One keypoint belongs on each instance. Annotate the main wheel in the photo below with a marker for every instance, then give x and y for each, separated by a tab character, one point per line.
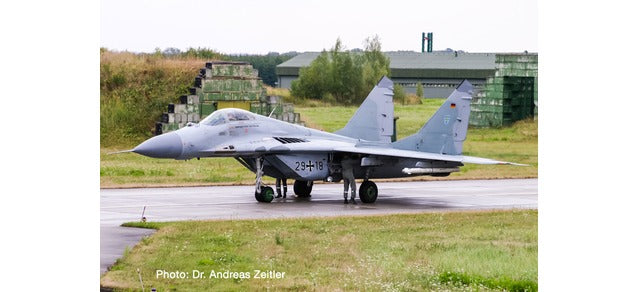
302	188
441	174
368	192
266	195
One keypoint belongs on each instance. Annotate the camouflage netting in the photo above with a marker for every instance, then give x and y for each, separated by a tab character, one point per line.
225	84
510	95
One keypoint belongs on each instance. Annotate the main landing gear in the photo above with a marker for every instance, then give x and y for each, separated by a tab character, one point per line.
263	194
368	192
303	188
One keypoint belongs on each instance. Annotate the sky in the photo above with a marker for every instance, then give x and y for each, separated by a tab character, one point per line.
259	27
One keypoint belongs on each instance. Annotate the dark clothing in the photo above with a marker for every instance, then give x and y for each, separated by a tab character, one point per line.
285	188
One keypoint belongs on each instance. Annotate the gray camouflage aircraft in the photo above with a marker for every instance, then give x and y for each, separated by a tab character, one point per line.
279	149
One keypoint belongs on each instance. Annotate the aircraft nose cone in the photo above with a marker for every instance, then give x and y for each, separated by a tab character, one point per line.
167	145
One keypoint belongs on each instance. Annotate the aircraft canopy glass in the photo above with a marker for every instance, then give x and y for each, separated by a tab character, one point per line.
227	115
237	115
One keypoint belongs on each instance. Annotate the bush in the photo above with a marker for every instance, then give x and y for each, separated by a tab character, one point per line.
399	93
419	90
411	99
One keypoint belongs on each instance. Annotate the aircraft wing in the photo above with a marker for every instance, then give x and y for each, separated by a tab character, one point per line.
302	145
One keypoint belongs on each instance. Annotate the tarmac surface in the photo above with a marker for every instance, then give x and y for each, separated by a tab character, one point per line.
238	202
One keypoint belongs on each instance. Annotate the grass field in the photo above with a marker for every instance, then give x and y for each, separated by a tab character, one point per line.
488	250
518	143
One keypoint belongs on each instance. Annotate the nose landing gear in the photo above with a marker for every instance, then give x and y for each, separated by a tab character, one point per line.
263	194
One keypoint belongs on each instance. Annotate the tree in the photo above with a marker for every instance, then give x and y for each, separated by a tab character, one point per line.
171	52
419	90
377	64
313	80
347	76
203	53
399	93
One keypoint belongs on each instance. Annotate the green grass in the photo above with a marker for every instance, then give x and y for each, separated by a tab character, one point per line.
330	119
518	143
495	250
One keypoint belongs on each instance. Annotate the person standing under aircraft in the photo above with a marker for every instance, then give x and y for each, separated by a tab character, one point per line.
347	171
285	188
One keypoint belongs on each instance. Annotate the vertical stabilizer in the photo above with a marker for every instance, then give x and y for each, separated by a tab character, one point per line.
446	130
374	119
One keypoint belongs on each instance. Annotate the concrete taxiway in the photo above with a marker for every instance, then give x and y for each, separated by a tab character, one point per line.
237	202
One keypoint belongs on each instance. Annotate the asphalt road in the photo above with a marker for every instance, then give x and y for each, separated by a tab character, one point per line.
237	202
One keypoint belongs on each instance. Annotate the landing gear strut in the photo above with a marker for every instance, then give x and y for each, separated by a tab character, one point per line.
303	188
263	193
368	192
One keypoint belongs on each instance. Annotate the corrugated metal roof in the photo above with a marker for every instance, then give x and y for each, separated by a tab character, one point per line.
442	60
301	60
416	60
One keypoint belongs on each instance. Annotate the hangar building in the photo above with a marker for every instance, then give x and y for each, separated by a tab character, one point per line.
507	83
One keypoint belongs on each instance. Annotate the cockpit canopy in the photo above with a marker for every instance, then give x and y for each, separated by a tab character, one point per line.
226	115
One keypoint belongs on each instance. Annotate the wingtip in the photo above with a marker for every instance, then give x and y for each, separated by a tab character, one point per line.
118	152
513	163
481	160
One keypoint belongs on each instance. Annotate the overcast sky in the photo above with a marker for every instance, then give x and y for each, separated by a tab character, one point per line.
247	26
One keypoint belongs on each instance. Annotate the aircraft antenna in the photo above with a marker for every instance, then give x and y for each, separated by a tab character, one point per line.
273	110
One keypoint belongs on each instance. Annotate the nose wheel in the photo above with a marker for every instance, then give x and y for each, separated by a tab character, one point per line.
265	195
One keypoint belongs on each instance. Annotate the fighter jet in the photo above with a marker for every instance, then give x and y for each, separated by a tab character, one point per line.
282	150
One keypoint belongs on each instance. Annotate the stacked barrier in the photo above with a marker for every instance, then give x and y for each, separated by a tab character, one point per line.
225	84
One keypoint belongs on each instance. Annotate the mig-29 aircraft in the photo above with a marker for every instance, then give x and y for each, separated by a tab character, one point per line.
279	149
